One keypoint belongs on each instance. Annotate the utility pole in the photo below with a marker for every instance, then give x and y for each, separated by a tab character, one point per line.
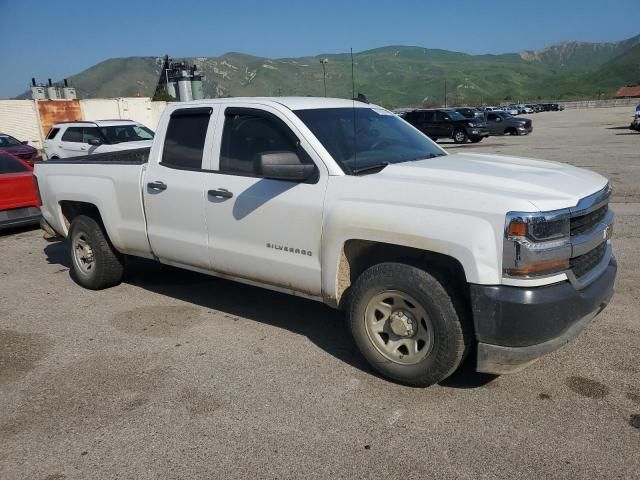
323	62
445	93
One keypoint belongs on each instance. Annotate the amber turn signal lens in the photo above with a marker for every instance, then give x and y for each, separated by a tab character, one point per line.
517	229
539	268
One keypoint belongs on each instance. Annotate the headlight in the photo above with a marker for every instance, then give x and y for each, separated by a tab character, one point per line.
536	243
470	124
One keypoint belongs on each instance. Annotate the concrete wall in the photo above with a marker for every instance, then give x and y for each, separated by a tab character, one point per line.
31	119
19	118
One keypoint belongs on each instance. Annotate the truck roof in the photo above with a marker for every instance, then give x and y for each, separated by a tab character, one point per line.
292	103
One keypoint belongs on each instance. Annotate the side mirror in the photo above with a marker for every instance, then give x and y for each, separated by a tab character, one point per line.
282	166
95	142
25	142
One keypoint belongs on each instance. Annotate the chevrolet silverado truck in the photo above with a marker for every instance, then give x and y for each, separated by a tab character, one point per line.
432	256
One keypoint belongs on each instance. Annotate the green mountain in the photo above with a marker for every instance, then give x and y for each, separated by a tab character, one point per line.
392	76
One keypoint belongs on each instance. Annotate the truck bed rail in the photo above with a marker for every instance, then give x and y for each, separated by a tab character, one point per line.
137	156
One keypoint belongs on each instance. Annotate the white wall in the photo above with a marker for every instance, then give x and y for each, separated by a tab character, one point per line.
99	109
19	118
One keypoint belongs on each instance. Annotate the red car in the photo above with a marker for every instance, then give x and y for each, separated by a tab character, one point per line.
15	147
19	198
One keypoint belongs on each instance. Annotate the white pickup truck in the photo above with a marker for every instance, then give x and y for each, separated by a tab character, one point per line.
432	255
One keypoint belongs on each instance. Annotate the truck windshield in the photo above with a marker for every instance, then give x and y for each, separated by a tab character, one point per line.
359	139
126	133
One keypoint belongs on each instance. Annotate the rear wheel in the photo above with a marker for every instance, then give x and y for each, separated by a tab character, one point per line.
95	263
460	136
406	324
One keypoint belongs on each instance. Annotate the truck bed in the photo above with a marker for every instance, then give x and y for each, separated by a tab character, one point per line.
110	181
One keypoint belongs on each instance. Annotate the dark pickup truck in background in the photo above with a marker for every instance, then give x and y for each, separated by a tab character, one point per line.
503	123
447	123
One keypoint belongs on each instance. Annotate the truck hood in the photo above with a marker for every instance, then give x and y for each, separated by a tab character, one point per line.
547	185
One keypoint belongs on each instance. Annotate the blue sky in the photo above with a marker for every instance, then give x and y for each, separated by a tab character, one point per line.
59	38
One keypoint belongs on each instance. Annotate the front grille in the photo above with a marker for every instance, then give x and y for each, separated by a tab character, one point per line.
585	223
585	263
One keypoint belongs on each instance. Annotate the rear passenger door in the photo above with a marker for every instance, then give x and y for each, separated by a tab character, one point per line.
72	143
262	229
174	188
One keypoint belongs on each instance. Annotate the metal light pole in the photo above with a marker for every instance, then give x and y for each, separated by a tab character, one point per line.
445	93
323	62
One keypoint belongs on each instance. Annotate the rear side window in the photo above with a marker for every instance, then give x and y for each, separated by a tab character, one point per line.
52	133
184	141
245	137
11	165
73	134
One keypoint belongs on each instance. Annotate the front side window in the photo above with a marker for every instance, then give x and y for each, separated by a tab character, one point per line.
246	136
492	117
90	133
362	138
73	134
184	141
9	164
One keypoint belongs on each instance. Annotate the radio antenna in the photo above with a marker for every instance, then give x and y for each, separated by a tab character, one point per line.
353	99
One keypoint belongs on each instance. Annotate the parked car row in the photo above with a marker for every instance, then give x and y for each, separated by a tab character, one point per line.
517	109
466	124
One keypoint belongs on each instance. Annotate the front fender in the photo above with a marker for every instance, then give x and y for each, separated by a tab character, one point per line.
470	239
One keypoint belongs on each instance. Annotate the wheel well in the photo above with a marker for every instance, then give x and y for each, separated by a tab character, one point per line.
359	255
71	209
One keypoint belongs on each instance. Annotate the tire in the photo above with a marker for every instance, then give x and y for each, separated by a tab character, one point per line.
384	294
511	131
95	263
460	136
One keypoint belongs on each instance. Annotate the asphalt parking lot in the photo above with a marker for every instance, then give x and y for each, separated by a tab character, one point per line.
178	375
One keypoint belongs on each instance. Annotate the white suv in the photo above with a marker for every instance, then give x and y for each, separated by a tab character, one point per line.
73	139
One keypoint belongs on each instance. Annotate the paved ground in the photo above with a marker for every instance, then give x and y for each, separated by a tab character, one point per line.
178	375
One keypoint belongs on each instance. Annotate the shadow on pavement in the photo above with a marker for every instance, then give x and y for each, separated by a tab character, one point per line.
17	230
323	326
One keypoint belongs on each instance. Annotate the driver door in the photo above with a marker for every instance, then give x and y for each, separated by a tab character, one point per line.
261	229
494	123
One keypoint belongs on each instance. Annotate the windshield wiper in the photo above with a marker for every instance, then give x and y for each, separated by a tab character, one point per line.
377	166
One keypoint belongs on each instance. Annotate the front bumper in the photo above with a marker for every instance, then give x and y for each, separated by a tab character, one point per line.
515	326
477	132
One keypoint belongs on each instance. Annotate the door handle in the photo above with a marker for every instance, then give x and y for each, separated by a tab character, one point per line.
220	193
159	186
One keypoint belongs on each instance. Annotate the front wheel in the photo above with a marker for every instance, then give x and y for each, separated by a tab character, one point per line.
407	325
460	136
511	131
95	263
